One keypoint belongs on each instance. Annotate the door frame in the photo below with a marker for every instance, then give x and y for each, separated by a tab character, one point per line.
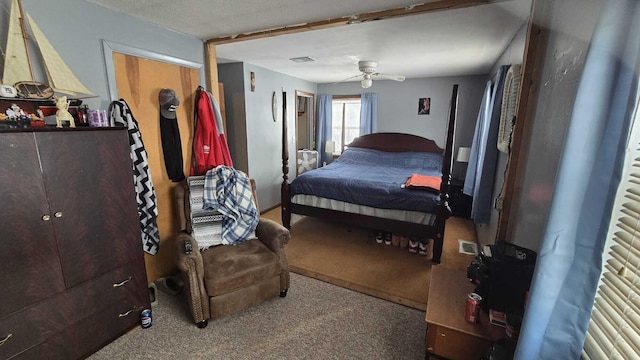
109	47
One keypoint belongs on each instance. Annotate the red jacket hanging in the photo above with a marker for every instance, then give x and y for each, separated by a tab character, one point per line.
208	149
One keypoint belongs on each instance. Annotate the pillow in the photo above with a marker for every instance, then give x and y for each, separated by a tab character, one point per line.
425	182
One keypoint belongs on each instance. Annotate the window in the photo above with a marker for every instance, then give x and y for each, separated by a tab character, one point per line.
345	122
614	329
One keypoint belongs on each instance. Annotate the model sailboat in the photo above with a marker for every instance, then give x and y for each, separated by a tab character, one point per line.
17	62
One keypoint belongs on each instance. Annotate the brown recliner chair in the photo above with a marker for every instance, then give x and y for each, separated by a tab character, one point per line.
224	279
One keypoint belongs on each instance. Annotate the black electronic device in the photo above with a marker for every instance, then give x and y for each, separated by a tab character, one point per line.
502	275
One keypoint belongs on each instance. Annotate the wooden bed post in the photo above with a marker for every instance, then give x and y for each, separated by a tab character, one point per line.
285	199
443	206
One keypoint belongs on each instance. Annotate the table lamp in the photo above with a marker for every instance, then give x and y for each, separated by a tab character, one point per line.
463	154
329	148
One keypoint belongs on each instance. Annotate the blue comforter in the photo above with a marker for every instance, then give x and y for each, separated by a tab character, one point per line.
373	178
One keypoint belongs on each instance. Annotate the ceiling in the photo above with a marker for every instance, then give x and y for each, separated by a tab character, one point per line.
464	41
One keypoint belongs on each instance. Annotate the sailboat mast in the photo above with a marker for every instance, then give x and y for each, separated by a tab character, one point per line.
23	28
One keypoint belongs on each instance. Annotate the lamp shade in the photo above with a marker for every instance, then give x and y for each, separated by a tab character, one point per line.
366	82
329	147
463	154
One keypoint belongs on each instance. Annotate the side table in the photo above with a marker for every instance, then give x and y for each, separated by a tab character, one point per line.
449	335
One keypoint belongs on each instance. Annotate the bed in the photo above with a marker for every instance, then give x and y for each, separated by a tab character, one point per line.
363	187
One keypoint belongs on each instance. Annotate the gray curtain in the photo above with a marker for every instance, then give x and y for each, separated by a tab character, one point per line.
570	257
368	113
323	132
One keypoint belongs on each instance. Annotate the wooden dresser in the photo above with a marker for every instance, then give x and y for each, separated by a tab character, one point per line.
71	263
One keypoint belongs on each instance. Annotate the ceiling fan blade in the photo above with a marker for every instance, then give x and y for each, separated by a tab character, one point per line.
378	76
347	79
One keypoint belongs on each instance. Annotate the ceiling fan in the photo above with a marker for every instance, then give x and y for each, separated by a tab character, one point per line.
368	70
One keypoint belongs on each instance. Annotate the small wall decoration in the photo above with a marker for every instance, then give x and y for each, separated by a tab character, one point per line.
274	106
253	81
424	106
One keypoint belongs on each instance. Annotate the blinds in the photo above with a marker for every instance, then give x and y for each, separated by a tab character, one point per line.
614	329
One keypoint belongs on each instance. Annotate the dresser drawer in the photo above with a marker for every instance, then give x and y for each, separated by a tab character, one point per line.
127	283
115	292
85	337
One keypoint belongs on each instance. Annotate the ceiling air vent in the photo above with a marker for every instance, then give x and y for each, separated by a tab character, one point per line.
302	59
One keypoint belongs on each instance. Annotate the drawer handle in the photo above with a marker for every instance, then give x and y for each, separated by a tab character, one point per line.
5	339
127	313
122	283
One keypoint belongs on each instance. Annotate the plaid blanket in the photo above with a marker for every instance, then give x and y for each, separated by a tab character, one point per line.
228	191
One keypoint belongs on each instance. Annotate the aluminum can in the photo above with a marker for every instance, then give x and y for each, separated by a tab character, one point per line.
472	310
145	318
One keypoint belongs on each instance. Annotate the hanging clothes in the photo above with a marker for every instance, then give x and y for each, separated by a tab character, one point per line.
170	135
510	96
209	150
120	115
220	127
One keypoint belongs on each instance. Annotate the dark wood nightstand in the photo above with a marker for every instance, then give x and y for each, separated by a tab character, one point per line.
459	203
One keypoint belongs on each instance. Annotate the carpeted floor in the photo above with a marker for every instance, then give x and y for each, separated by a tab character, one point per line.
315	321
350	258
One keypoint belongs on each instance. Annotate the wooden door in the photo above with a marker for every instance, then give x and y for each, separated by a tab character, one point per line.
29	266
139	82
88	178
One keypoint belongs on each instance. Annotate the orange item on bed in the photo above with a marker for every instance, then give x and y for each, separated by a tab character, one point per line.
423	181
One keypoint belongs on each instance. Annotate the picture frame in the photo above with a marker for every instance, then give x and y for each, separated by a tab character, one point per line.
424	106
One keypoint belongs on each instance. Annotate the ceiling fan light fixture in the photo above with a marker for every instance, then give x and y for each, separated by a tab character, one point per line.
366	82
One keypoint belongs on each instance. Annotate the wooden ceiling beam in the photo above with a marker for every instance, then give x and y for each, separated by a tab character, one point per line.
353	19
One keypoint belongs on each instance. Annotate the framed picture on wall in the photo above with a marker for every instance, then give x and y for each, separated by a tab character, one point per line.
424	106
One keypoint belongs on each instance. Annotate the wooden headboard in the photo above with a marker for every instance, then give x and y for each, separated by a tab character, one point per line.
396	142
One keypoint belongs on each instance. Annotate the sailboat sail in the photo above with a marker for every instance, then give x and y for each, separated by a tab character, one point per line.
60	76
16	65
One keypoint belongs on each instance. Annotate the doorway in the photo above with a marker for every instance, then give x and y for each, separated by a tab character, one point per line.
305	121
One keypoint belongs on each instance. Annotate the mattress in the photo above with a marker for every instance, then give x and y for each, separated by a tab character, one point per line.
401	215
374	179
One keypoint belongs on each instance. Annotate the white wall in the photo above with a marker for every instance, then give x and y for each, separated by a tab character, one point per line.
264	136
255	139
76	29
398	106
